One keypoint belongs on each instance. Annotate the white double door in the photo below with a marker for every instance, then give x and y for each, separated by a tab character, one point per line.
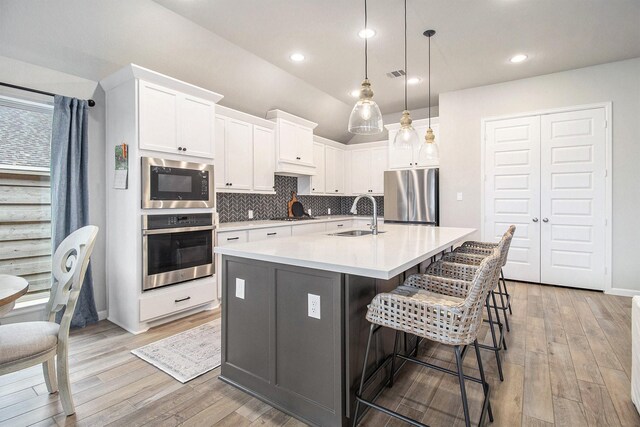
546	174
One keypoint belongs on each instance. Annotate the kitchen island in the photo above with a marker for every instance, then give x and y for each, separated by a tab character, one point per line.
293	313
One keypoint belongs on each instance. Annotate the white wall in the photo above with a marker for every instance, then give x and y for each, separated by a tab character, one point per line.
460	115
24	74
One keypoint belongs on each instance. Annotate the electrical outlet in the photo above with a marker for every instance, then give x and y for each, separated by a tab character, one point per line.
309	212
328	211
250	214
313	306
459	197
240	288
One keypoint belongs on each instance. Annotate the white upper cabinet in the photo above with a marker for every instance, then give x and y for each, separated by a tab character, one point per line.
238	153
401	158
367	170
334	170
175	122
196	127
245	160
318	180
294	143
264	164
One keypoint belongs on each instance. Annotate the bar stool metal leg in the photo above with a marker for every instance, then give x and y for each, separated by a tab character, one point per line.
362	378
506	291
463	391
502	340
485	384
393	357
496	347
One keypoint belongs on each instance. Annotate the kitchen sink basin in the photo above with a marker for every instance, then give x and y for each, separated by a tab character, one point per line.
354	233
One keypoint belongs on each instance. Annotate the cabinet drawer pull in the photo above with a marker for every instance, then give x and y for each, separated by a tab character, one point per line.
271	234
336	191
340	225
298	158
183	299
232	238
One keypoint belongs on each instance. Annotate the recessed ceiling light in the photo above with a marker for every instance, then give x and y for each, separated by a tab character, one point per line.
414	80
297	57
518	58
367	33
355	93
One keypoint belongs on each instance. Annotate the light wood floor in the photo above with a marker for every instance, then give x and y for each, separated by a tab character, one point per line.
568	363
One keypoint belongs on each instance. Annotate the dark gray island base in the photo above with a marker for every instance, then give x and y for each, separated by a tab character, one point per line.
307	367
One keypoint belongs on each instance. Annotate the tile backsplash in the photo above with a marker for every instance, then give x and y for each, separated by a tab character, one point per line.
235	206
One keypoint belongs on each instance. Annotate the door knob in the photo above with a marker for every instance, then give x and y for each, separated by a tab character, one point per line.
535	219
545	220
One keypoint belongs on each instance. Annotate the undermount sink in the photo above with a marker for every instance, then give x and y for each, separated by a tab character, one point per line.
354	233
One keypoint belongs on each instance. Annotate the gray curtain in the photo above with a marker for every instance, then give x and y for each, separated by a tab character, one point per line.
69	189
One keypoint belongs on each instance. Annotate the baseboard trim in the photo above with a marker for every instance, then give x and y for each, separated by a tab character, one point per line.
623	292
102	315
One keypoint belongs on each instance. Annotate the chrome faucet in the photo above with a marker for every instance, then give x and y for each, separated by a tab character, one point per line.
374	218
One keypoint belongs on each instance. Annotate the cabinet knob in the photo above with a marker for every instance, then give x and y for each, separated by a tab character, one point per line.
179	148
298	158
545	219
313	189
336	191
535	219
184	148
231	183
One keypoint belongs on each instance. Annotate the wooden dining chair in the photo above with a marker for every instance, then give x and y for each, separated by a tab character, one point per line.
26	344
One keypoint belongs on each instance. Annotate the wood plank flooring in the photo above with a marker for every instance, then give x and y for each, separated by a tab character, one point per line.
568	364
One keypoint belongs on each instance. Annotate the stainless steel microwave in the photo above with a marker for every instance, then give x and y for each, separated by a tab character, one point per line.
176	184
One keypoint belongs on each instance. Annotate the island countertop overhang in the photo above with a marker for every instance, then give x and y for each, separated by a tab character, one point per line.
398	248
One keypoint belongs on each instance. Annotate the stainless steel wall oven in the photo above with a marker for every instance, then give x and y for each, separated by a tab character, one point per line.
176	184
176	248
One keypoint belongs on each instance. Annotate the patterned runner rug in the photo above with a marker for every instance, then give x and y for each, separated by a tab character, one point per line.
186	355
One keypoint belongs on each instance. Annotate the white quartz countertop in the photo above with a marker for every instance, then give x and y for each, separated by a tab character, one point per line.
384	256
247	225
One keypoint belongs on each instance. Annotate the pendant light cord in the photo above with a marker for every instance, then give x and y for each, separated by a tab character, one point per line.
366	57
429	70
405	54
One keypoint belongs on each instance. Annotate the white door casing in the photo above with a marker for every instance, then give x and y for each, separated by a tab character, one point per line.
573	186
512	192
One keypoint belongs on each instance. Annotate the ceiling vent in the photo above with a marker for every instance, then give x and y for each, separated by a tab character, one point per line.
396	73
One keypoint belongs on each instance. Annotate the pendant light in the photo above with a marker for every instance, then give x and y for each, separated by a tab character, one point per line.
406	137
365	118
429	150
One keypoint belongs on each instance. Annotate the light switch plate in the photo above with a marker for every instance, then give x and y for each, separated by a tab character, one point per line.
250	214
240	288
459	196
313	306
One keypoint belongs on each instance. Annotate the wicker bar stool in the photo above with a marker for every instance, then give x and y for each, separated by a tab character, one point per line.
451	266
473	253
484	249
449	319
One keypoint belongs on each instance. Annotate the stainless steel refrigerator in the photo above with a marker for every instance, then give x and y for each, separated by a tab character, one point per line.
411	196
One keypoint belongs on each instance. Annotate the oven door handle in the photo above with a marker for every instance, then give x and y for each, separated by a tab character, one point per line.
177	230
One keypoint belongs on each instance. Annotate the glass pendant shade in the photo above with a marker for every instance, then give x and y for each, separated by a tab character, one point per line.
429	151
365	118
406	138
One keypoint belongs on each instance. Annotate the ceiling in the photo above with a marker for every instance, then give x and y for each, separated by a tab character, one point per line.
472	46
241	48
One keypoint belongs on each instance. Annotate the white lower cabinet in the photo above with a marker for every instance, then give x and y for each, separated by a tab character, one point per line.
163	302
230	237
269	233
299	230
339	225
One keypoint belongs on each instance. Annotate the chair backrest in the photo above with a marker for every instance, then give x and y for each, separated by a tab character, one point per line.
506	240
70	263
483	281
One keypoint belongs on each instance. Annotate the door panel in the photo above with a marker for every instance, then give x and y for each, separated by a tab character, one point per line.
512	191
219	170
318	180
197	127
264	165
239	154
158	118
573	157
378	166
399	158
360	171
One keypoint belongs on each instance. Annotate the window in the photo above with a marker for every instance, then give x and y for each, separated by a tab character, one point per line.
25	196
